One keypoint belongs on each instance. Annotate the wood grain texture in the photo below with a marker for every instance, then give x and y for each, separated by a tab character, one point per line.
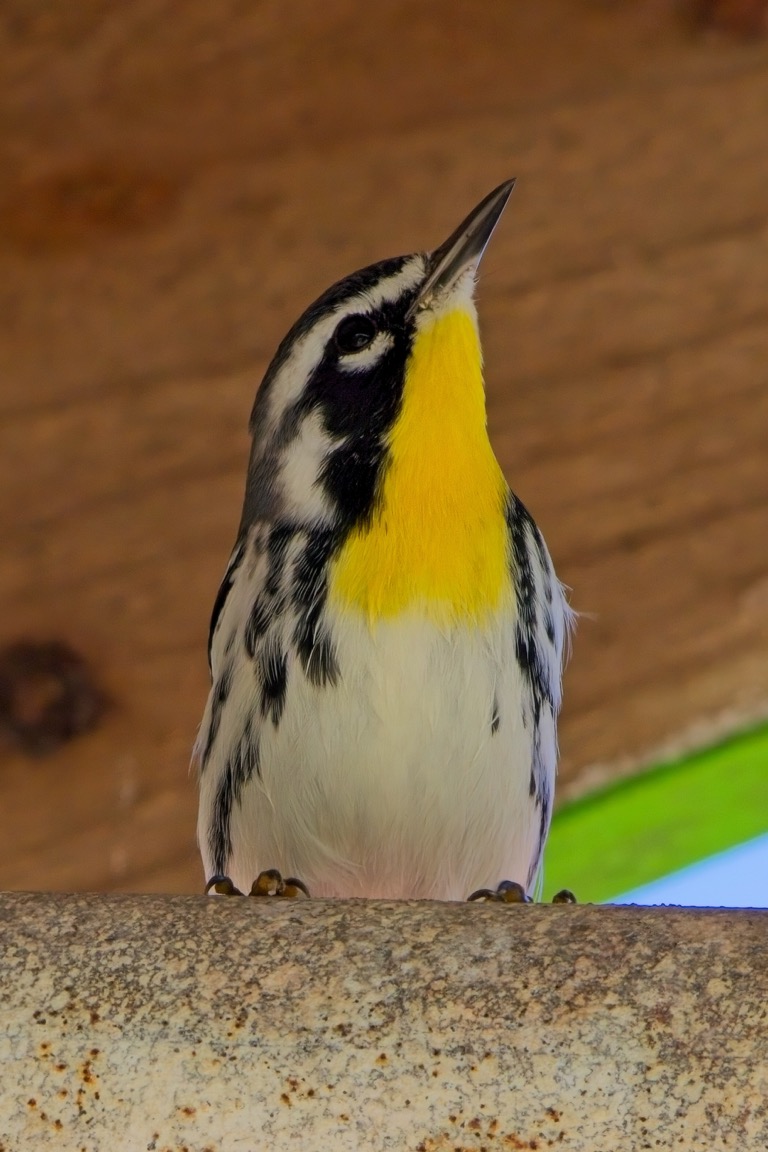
177	180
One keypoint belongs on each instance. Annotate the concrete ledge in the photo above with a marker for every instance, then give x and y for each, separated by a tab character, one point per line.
132	1023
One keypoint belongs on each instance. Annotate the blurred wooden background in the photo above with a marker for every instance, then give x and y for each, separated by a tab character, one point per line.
178	179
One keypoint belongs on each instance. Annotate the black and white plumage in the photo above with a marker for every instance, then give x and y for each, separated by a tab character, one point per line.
373	733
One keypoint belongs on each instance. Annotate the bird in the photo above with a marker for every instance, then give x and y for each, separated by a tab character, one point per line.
387	644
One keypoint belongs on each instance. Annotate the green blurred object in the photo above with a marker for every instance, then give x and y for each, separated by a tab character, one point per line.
641	829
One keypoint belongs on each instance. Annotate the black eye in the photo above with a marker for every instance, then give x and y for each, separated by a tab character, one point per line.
355	333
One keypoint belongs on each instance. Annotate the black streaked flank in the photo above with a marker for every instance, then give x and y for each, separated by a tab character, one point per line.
238	770
538	771
223	592
495	717
318	659
531	661
519	521
310	589
219	838
279	538
530	655
256	628
273	668
247	758
528	651
220	695
310	569
544	561
544	817
544	820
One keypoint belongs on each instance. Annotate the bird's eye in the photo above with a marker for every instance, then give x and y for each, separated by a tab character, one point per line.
355	333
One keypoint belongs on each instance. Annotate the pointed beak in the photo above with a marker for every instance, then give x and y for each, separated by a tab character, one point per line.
463	250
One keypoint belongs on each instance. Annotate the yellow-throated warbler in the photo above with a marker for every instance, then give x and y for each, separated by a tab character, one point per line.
386	646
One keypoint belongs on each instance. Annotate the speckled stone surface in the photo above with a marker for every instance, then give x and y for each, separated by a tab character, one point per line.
132	1023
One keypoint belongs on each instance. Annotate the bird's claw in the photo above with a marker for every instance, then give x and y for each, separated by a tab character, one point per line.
223	886
267	883
508	892
271	883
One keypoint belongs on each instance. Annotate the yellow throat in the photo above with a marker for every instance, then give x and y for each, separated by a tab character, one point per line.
437	542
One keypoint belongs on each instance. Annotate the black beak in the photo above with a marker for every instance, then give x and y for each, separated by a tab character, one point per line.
464	248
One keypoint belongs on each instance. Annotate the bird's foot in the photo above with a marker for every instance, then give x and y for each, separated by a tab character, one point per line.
510	892
267	883
222	886
271	883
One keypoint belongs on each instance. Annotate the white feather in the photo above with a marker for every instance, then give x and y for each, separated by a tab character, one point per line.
302	492
391	782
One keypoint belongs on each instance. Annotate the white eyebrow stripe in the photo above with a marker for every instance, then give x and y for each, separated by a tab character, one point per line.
357	361
411	274
308	350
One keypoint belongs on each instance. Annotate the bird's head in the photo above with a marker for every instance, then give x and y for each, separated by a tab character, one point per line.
333	399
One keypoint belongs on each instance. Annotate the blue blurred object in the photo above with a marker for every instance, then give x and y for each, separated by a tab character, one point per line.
737	878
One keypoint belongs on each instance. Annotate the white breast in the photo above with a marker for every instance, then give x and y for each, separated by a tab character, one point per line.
392	782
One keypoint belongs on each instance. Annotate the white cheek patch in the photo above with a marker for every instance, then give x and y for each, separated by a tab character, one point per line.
367	357
300	469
